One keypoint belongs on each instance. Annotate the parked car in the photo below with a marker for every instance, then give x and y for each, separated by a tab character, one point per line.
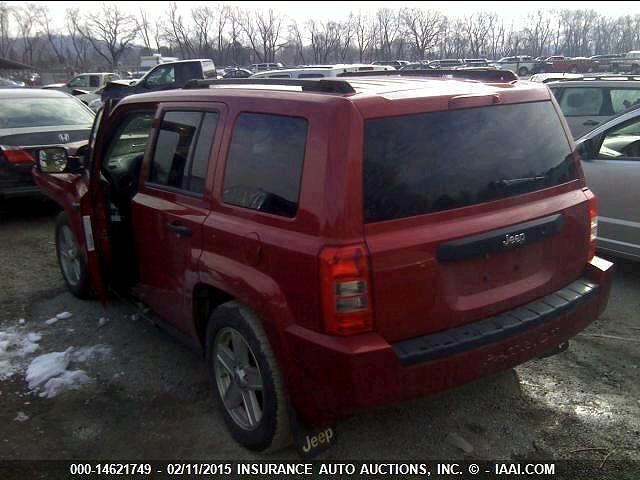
552	77
446	63
570	65
261	67
84	83
237	73
589	101
523	65
397	64
337	244
611	163
8	83
92	99
605	62
416	66
321	71
166	76
30	118
630	63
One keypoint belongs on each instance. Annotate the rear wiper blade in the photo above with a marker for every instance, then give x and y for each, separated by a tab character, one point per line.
508	182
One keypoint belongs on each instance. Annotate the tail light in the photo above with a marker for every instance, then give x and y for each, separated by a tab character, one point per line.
345	285
593	217
16	155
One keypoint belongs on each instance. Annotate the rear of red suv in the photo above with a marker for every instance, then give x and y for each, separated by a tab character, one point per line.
472	250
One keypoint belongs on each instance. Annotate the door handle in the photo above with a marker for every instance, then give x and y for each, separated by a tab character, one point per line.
590	123
179	229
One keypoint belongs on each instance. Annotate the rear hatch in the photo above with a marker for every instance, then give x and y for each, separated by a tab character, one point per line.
469	213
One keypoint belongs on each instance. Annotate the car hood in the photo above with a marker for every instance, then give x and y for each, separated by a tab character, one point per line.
55	85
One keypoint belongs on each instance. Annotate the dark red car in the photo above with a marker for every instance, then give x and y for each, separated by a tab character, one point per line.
333	245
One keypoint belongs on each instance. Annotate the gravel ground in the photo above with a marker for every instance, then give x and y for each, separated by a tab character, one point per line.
150	398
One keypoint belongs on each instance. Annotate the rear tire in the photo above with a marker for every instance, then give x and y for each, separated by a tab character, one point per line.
248	385
71	259
523	71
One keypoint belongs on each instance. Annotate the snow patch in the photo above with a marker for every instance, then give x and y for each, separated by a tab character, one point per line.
46	366
68	380
63	315
48	374
21	321
103	321
51	321
14	346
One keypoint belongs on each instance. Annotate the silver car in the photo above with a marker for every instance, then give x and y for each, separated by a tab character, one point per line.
611	163
589	101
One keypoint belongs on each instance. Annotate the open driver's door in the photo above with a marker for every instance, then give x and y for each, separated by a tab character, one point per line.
93	208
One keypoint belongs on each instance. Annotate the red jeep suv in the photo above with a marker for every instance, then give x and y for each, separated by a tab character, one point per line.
336	244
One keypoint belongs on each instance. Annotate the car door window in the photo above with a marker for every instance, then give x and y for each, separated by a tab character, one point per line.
621	99
161	76
127	147
94	81
181	156
579	102
80	81
622	142
264	164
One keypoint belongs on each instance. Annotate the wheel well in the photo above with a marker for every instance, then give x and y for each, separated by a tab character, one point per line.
205	300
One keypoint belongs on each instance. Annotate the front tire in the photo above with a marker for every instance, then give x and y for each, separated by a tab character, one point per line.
523	71
248	385
71	259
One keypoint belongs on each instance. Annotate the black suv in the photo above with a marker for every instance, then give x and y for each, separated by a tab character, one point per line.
166	76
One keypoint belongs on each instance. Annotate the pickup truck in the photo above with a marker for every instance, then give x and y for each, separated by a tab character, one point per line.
166	76
630	63
563	64
84	83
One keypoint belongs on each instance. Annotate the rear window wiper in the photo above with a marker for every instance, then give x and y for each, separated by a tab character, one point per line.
509	182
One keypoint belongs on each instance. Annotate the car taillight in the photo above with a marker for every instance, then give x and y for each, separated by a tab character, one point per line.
345	284
16	154
593	218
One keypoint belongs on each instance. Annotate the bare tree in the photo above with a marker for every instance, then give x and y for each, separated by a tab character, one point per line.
6	41
388	29
26	18
145	31
295	41
363	34
178	34
477	27
538	32
423	27
78	41
325	39
109	29
269	25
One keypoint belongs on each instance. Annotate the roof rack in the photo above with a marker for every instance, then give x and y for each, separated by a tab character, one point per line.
322	85
485	75
601	76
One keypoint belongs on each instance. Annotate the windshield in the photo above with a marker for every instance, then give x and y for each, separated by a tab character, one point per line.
43	112
416	164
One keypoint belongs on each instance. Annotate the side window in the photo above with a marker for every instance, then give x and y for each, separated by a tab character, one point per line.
579	102
622	141
79	81
164	75
264	165
127	147
181	154
624	98
94	81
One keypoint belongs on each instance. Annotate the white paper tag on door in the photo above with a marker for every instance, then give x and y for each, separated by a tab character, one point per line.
88	233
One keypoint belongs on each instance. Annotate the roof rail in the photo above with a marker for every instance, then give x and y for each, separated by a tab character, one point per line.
485	75
602	76
322	85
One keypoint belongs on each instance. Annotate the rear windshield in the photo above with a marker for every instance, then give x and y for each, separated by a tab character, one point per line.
43	112
417	164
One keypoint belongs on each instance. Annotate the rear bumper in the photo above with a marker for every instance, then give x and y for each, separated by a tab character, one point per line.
335	376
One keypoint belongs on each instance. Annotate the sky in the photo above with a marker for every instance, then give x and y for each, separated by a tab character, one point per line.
303	10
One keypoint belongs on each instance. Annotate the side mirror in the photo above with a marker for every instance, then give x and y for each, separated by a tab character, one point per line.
52	159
